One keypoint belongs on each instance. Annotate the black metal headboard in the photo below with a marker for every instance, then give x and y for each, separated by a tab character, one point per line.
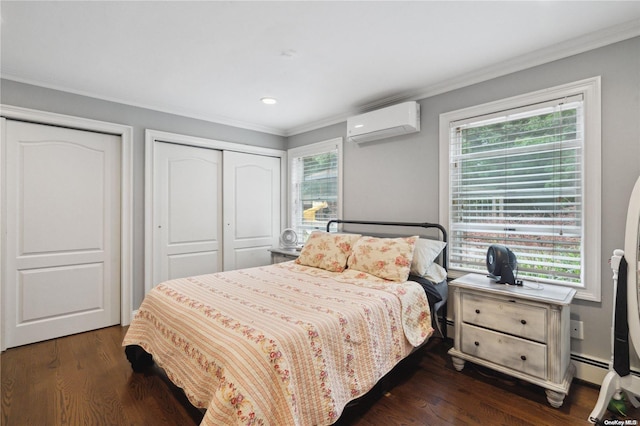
414	224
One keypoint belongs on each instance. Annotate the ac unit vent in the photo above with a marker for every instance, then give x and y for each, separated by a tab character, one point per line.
400	119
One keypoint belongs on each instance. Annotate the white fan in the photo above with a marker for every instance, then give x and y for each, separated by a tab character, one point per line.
288	238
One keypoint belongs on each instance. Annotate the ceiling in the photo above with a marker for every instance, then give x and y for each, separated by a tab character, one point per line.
322	61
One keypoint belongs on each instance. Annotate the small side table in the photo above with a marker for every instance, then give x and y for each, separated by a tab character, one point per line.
519	331
279	255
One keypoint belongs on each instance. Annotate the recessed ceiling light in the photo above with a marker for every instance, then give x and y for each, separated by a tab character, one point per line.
269	101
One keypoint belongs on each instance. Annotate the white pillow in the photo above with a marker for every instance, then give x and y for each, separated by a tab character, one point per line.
425	254
435	273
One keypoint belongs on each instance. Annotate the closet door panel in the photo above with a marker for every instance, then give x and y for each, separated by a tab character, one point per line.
186	265
63	191
187	219
251	209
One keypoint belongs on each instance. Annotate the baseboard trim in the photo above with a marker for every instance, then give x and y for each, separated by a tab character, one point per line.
589	369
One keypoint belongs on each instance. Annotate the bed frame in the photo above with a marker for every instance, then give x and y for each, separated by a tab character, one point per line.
425	225
141	360
441	307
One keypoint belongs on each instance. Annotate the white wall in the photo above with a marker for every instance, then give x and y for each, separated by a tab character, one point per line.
397	179
39	98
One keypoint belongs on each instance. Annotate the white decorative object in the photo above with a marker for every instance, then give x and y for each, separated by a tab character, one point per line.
613	383
288	238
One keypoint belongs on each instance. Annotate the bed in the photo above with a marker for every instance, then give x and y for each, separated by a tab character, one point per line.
293	343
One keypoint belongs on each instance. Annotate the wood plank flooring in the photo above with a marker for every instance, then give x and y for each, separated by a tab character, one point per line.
86	380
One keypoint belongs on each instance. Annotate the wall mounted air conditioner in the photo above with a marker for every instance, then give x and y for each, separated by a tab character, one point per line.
395	120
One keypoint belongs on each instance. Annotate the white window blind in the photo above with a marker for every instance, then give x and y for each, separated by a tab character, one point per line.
314	187
516	178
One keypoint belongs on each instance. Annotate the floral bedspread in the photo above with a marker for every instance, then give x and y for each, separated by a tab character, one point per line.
282	344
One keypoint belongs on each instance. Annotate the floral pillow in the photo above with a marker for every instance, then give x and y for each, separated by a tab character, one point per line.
388	258
327	251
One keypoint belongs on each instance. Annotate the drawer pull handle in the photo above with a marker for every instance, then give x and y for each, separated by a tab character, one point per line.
523	322
522	357
477	311
476	343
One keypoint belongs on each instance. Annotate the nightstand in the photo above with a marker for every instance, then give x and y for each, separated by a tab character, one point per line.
520	331
279	255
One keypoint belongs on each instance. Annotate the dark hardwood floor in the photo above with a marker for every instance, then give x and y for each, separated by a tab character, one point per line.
86	380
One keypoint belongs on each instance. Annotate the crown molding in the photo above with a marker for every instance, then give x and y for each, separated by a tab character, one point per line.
217	119
558	51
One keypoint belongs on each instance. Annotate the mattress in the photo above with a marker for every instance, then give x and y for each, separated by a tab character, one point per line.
279	344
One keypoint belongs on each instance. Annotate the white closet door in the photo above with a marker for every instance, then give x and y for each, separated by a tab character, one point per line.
63	232
187	217
251	209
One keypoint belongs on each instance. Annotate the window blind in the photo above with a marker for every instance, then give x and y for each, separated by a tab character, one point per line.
314	191
517	179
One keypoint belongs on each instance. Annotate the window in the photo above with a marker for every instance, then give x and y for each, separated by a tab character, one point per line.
315	189
525	172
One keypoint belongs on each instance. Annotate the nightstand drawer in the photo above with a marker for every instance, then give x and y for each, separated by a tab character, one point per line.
508	316
279	255
509	351
279	258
